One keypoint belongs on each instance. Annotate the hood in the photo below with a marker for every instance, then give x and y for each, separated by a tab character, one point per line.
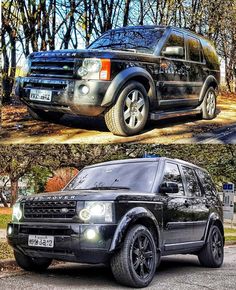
93	195
91	53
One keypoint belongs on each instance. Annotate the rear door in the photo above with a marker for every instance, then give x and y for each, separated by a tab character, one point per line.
196	66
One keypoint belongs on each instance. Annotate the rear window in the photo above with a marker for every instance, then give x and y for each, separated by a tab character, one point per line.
210	55
207	183
194	49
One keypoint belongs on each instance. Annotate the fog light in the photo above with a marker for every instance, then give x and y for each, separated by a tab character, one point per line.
9	230
90	234
84	90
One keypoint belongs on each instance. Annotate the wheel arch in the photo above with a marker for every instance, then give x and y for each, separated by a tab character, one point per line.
209	82
130	74
214	220
138	215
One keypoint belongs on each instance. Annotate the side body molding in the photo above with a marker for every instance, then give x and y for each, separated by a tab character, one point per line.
208	81
129	218
124	76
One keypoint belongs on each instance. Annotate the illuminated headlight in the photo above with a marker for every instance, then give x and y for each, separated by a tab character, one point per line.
17	212
24	71
97	212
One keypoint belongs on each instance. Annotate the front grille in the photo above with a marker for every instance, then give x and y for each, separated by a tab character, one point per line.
50	209
52	68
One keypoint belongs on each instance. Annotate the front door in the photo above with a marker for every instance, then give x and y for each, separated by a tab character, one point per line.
177	209
172	75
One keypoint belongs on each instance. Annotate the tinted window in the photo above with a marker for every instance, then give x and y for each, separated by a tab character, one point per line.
207	183
140	39
175	39
194	48
192	185
210	55
135	176
172	174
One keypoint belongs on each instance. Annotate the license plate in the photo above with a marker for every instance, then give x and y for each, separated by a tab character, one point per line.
40	95
41	241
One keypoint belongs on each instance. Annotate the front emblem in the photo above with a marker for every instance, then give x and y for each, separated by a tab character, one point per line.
64	210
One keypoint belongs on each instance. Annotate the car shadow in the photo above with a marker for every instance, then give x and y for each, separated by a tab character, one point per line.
100	276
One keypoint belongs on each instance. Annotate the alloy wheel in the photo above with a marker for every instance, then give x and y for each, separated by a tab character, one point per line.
217	245
211	103
134	109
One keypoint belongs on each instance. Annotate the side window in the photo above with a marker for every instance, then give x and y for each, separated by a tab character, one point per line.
175	39
194	49
210	55
172	174
207	183
191	182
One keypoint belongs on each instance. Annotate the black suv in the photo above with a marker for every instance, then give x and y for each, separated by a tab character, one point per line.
127	213
128	75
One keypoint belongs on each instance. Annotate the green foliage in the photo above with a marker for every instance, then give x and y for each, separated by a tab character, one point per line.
4	220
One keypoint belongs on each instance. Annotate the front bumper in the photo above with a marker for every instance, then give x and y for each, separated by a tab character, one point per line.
66	95
70	241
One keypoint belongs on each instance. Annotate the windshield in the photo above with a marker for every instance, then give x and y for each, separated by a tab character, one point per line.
139	39
138	176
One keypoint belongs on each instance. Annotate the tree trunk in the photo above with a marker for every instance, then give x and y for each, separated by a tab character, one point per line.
14	190
3	200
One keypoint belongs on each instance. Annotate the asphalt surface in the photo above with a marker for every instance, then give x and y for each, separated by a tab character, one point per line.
176	272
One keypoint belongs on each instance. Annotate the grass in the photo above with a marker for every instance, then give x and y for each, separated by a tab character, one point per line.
5	216
6	251
4	220
230	231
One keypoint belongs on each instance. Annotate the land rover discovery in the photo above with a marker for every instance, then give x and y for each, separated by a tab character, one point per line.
128	75
127	213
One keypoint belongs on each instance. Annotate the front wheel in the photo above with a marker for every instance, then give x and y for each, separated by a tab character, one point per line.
32	264
212	254
135	263
129	114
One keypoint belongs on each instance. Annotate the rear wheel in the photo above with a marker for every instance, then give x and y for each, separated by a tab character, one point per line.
209	104
212	254
32	264
42	115
129	114
135	263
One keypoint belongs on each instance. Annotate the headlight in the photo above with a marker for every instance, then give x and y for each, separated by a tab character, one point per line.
17	212
25	69
96	68
97	212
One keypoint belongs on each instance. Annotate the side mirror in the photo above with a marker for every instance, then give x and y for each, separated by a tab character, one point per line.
173	51
169	187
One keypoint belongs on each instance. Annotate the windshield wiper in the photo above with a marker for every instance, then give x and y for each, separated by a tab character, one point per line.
104	187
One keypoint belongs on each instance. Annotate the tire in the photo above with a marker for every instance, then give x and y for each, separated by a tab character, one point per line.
209	104
212	254
41	115
129	257
32	264
129	114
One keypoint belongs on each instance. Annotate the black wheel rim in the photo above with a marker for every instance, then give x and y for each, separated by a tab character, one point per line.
142	255
217	246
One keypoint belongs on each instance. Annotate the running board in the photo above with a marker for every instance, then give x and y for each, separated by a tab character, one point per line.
160	115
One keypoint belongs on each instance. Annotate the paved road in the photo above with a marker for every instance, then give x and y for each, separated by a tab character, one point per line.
176	273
